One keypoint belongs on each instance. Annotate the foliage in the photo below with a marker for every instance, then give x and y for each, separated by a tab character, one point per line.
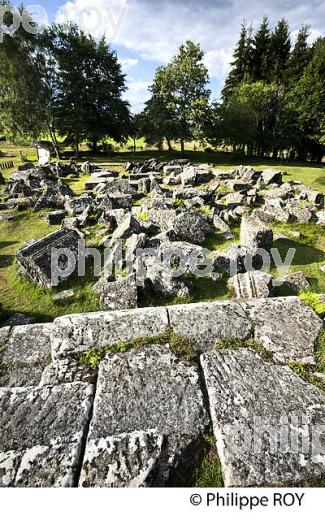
232	343
277	91
180	94
86	88
21	95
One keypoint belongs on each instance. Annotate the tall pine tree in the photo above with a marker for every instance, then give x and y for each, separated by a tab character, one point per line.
240	65
300	56
260	57
280	46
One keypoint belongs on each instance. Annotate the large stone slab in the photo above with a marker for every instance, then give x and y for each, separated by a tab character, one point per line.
41	434
79	332
269	423
148	409
285	326
36	258
208	323
26	350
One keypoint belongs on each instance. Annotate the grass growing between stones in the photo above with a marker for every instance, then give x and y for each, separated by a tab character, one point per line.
20	295
182	348
235	344
202	467
306	372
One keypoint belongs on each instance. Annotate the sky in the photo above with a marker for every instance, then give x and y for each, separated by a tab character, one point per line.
147	33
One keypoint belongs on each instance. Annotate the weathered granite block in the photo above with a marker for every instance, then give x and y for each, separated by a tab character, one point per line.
26	350
79	332
41	434
255	234
253	284
210	322
287	327
269	423
148	408
36	257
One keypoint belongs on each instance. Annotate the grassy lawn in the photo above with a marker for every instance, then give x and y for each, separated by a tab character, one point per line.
20	295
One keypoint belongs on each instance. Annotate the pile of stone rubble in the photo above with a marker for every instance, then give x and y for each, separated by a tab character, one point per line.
168	207
137	419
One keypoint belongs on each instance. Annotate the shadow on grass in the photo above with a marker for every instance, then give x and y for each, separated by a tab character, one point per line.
304	254
201	289
6	260
320	180
220	157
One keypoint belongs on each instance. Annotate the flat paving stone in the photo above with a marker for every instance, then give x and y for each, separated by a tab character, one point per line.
287	327
41	434
148	408
208	323
79	332
268	422
26	350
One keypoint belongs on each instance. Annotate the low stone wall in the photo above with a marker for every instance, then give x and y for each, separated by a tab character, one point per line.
131	422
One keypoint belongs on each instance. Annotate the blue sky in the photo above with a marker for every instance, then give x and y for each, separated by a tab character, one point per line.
147	33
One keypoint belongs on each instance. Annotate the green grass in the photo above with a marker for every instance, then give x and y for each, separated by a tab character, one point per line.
200	467
18	294
309	252
182	348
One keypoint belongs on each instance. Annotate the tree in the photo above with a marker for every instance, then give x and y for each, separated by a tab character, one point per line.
240	66
182	87
280	46
307	101
300	56
86	88
21	100
260	56
156	123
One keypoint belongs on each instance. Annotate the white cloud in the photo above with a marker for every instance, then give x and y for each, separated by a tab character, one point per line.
127	63
137	93
154	29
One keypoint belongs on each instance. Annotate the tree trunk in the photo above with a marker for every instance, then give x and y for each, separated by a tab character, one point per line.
94	144
51	131
134	145
275	153
170	148
77	147
182	145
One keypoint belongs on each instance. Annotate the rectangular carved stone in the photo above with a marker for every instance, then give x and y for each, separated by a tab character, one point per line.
79	332
207	323
41	434
26	350
148	409
36	257
287	327
269	423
